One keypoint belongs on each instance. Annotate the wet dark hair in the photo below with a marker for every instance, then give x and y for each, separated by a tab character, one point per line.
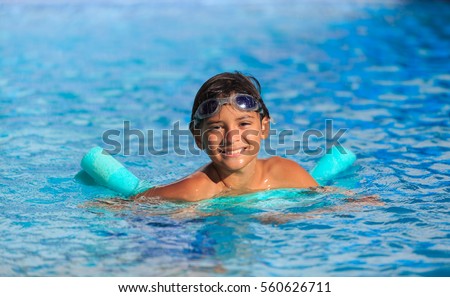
223	85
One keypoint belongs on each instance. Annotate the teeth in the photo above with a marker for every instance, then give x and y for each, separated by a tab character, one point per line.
238	151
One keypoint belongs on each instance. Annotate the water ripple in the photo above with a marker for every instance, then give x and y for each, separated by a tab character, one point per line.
69	73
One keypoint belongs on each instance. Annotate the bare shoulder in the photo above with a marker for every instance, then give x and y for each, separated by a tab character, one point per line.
195	187
282	167
287	173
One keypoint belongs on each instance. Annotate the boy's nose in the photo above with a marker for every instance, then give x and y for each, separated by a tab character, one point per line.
232	136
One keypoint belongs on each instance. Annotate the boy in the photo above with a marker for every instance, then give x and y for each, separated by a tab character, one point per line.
229	119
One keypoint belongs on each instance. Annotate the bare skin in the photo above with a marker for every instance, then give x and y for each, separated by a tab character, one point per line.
353	204
232	140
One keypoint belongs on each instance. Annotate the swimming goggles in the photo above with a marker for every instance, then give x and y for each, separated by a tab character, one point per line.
210	107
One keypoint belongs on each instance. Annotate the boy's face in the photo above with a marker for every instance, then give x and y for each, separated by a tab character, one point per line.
232	137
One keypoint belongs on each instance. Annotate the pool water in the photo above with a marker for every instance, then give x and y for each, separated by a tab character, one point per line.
380	69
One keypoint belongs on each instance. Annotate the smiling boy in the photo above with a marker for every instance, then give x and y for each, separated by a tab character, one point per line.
229	120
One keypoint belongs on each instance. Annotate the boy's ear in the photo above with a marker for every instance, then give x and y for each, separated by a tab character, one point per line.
197	134
265	127
198	141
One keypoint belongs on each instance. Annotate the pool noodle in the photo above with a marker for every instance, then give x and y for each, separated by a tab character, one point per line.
110	173
335	161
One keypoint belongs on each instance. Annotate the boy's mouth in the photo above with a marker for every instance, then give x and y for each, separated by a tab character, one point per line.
232	153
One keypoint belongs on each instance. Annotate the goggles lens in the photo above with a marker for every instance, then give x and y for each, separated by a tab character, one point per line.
246	102
211	106
207	107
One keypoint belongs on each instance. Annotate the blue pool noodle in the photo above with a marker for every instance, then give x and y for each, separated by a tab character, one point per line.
109	172
335	161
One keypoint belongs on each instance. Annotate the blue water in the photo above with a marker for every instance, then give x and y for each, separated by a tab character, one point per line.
70	72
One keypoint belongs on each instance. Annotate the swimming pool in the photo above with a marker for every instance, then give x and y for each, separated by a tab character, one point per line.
70	72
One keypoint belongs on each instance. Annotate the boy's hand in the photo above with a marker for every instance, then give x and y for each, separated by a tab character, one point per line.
278	218
352	203
329	189
115	203
366	200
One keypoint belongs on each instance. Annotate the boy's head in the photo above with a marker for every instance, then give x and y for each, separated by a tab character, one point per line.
229	120
224	85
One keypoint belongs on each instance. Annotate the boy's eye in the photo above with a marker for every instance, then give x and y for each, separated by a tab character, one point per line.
245	124
215	127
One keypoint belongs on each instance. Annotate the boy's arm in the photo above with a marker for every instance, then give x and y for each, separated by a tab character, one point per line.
352	204
190	189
